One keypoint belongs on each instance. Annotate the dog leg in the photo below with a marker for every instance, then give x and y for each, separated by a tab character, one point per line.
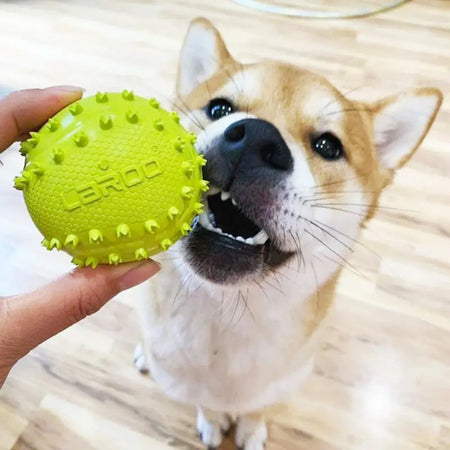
139	359
212	427
251	432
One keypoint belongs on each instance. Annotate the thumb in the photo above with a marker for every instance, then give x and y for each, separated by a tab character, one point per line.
27	320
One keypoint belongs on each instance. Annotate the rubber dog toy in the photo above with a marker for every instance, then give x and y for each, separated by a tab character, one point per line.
112	178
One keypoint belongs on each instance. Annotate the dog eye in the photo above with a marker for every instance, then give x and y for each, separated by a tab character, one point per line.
218	108
328	146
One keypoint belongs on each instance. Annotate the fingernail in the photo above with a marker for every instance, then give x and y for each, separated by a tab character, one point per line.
138	273
68	89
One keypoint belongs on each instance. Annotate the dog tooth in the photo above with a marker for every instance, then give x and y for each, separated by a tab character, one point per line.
260	238
234	202
213	190
250	241
224	196
204	220
240	238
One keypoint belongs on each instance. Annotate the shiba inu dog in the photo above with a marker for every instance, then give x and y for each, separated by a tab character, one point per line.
232	323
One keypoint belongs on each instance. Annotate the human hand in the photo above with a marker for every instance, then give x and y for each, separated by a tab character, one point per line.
29	319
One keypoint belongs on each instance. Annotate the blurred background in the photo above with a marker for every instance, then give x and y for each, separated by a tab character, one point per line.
382	379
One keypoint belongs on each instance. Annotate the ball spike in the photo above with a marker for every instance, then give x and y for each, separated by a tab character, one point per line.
36	168
101	97
175	116
198	208
185	229
192	138
95	236
154	103
141	254
166	244
173	213
188	168
201	161
91	261
77	261
158	125
106	121
71	240
58	155
81	139
75	109
55	243
34	139
132	116
21	183
25	148
127	95
204	185
187	192
114	259
151	226
45	243
123	230
178	144
52	124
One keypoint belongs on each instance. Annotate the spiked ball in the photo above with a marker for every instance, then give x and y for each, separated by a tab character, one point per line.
112	178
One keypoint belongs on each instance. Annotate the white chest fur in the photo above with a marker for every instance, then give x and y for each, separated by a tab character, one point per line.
231	349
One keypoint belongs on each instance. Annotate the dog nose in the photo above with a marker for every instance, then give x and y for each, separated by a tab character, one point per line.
260	140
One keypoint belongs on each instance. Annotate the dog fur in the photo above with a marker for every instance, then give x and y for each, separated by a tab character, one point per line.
236	344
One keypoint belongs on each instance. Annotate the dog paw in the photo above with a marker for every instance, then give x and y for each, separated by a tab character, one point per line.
251	434
212	430
139	359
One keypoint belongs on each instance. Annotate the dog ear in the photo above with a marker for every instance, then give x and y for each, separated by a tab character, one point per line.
203	54
401	122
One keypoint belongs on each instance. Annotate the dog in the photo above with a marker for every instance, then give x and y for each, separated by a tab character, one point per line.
233	322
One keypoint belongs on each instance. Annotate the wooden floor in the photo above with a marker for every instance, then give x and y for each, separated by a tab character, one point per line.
383	376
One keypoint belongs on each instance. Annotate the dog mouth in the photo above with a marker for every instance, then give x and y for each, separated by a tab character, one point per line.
222	215
226	246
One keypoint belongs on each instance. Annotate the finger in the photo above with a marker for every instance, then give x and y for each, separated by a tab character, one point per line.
24	111
28	320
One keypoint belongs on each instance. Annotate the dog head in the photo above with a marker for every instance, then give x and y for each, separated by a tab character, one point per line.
295	167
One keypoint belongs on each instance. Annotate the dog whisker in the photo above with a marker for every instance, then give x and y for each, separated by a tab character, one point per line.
181	286
339	181
343	260
186	110
354	110
273	286
355	241
257	283
318	196
299	251
365	204
238	301
190	113
317	287
339	209
331	235
341	96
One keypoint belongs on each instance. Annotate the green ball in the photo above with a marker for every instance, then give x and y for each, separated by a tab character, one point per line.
112	178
